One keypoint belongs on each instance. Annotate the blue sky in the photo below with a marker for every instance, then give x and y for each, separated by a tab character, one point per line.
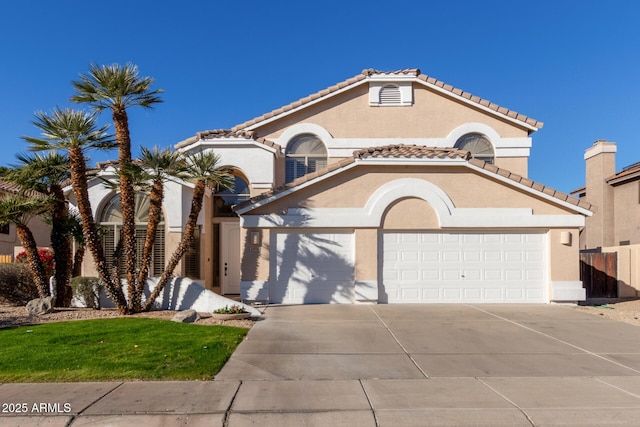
575	65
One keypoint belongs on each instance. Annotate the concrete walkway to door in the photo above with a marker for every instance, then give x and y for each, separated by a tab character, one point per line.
416	365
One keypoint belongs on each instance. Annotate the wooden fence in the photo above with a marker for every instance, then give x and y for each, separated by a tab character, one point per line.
598	272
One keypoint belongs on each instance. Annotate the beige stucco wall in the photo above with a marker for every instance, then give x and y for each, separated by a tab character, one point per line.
423	216
366	249
432	115
466	188
599	167
627	212
519	165
255	259
628	269
10	244
564	262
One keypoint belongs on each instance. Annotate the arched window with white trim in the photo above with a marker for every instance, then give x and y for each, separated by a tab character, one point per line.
224	200
111	231
305	154
478	145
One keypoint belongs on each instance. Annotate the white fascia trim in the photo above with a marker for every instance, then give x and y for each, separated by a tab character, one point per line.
308	104
477	105
227	143
294	189
494	218
530	190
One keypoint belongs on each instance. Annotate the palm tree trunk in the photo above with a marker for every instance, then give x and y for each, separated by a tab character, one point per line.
37	269
79	185
60	244
77	262
127	199
155	214
183	247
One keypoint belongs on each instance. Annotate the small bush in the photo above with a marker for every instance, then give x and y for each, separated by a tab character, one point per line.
46	257
88	290
234	309
16	284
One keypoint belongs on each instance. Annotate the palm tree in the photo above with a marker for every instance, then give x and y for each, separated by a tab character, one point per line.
117	88
159	166
203	169
19	210
77	132
46	174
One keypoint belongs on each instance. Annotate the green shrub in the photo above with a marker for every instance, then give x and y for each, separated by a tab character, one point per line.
88	290
16	284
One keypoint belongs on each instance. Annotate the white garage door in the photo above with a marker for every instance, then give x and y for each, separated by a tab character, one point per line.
313	268
464	267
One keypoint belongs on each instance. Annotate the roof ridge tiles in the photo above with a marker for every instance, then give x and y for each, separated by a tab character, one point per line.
370	72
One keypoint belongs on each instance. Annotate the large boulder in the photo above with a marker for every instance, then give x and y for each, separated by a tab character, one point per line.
186	316
39	306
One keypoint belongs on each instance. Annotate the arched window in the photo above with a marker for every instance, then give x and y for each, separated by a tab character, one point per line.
478	145
223	200
305	154
111	230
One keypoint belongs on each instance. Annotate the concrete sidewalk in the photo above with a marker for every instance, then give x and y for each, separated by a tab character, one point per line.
382	365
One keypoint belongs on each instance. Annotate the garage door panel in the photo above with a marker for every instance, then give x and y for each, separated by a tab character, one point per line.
465	267
314	268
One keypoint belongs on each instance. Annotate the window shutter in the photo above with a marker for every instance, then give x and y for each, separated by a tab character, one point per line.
390	95
192	258
157	266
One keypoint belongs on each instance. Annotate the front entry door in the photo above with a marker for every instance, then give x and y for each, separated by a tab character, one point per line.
230	257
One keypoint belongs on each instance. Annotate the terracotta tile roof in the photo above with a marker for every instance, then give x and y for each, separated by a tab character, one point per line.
411	151
225	133
415	151
409	71
529	183
9	187
628	173
13	188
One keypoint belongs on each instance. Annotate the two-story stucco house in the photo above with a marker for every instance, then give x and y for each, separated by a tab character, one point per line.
388	187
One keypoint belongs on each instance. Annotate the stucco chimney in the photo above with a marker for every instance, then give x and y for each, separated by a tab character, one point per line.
600	162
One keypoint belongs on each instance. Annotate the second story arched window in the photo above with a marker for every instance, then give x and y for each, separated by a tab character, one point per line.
306	153
478	145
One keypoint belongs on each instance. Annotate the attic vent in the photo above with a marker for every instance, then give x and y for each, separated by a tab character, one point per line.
390	95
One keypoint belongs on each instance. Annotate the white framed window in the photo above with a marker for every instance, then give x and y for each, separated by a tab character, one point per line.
306	153
224	200
478	145
111	231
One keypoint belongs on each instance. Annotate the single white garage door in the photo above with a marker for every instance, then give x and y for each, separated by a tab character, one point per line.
313	268
464	267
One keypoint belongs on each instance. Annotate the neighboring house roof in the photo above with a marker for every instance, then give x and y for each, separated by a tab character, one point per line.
9	187
630	173
367	73
226	133
13	188
415	152
579	192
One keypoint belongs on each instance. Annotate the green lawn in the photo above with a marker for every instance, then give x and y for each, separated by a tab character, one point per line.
115	349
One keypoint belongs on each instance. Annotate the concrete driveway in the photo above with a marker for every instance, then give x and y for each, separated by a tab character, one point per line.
418	365
380	365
